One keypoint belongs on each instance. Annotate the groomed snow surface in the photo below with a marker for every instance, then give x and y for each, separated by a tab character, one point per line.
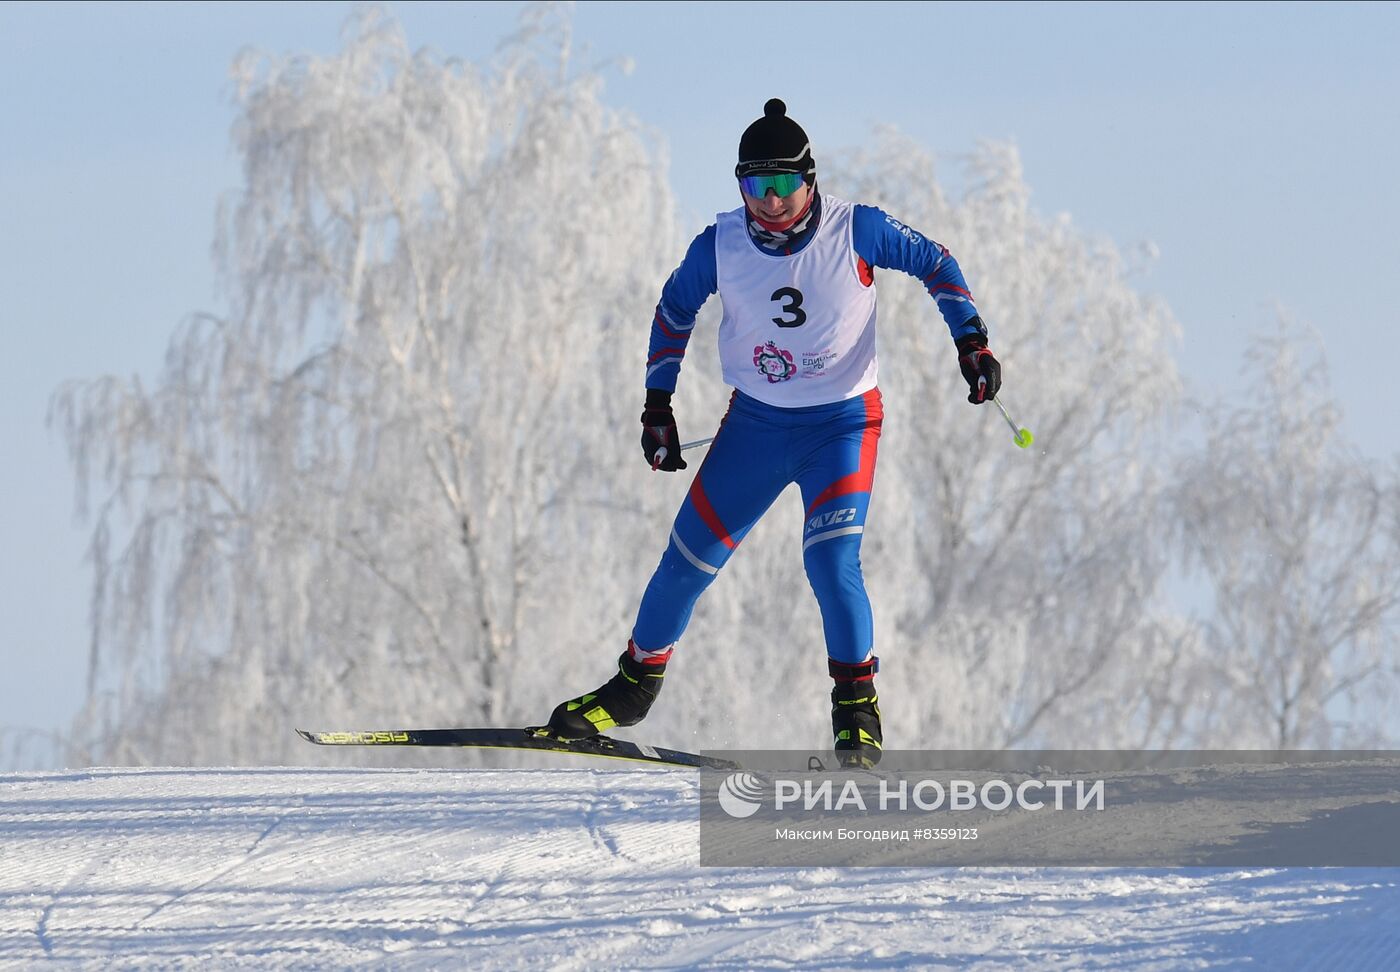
585	868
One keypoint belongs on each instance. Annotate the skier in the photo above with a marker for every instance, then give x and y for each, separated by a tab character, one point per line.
795	271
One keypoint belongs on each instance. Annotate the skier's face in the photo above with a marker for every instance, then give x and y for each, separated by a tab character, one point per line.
776	209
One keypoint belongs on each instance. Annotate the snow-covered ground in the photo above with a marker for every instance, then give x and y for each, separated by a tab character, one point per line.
585	869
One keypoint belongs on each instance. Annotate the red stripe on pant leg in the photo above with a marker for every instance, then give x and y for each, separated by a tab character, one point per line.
708	514
863	478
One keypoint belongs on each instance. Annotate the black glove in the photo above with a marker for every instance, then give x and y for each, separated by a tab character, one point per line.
980	368
660	441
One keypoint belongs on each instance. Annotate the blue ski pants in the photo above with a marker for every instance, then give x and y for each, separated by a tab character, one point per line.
829	451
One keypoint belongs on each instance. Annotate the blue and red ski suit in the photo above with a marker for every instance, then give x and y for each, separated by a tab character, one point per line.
828	449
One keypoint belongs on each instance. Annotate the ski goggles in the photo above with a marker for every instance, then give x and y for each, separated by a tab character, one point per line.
783	183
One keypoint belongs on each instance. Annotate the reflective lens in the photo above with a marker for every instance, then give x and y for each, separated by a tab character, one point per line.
783	183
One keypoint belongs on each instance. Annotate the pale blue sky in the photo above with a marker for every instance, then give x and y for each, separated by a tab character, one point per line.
1258	145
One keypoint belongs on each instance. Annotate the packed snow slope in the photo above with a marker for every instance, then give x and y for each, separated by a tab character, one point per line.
584	868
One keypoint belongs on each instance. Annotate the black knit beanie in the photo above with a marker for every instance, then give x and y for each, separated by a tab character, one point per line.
775	143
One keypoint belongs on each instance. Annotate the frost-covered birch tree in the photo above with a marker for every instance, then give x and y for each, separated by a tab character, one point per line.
1296	539
379	488
396	481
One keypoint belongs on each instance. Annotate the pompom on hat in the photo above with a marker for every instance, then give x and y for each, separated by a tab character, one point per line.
775	143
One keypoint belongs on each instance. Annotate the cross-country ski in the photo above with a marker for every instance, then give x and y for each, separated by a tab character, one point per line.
536	738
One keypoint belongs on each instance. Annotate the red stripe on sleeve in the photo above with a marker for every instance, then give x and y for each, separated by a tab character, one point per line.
661	323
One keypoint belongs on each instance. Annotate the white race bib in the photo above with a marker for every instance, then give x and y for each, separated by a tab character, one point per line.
797	330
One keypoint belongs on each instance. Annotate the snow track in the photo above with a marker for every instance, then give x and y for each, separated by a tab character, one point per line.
584	869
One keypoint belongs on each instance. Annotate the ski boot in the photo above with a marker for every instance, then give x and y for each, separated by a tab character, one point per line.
622	701
855	713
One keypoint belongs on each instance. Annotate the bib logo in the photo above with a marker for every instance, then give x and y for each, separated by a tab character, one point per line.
774	363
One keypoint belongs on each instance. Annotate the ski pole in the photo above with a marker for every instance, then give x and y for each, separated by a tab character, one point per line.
1023	436
661	453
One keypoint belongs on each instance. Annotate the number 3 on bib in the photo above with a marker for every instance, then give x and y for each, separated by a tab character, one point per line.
792	298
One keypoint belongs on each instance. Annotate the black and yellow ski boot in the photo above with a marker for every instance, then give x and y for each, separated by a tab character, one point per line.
622	701
855	713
